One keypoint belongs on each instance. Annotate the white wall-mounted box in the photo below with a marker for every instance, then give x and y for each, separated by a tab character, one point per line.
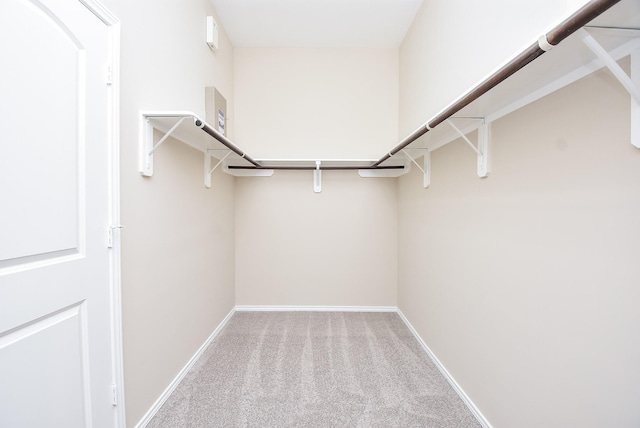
212	33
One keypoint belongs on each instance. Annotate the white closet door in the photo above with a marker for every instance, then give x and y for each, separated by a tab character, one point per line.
55	325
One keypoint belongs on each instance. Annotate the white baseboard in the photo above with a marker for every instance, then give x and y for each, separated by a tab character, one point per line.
292	308
173	385
472	407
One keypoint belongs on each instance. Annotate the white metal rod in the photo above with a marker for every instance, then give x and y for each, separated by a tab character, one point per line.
219	162
464	137
611	64
167	135
414	161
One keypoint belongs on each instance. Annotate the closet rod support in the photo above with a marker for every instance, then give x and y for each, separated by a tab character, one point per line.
611	64
426	168
147	146
165	136
208	170
464	137
219	162
413	160
317	178
483	146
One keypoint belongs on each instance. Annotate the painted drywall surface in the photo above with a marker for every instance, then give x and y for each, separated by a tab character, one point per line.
316	103
177	247
525	284
453	45
334	248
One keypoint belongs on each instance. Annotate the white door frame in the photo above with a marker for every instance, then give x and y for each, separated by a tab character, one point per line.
113	140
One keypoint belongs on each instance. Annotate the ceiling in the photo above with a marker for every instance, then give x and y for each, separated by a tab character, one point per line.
316	23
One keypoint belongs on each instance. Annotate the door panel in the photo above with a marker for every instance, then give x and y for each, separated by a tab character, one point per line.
50	375
55	315
40	217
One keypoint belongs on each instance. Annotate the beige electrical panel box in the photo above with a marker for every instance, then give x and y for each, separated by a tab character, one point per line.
215	107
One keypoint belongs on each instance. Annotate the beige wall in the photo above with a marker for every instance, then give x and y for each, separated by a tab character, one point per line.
452	45
316	103
297	247
177	247
529	270
525	284
293	246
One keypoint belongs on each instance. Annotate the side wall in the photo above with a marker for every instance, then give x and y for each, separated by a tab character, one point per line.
525	284
452	45
297	247
178	244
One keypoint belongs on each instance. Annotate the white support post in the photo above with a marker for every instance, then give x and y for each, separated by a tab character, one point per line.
426	181
207	166
635	105
146	144
483	146
317	178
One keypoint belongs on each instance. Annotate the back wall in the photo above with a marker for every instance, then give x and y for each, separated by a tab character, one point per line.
316	103
297	247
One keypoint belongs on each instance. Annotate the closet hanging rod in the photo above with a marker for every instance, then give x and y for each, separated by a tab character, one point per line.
224	141
313	168
547	41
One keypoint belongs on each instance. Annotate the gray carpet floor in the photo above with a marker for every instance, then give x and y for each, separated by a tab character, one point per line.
314	369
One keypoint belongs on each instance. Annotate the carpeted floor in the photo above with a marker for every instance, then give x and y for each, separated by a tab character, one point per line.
314	369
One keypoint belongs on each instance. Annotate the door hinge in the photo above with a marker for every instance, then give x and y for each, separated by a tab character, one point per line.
110	234
109	75
114	394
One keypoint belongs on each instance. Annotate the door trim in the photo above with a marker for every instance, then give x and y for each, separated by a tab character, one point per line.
113	141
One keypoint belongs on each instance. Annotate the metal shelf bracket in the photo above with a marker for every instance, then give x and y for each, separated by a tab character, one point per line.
631	84
148	147
482	150
425	168
208	170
